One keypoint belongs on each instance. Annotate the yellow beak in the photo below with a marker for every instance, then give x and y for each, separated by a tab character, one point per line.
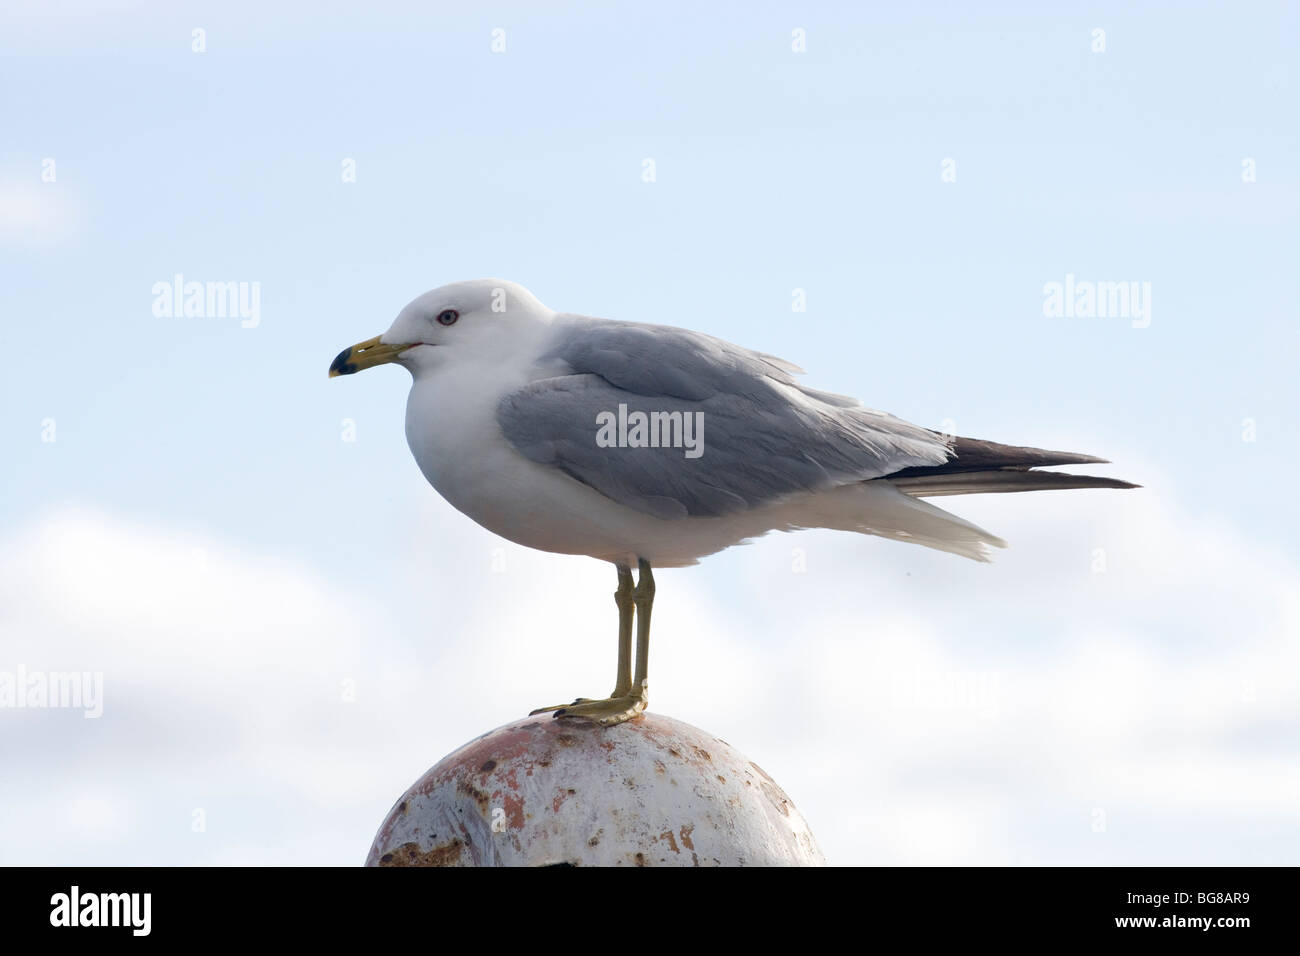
364	355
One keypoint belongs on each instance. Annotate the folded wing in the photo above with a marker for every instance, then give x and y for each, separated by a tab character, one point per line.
764	436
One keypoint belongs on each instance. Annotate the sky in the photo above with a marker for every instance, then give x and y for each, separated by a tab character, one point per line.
292	626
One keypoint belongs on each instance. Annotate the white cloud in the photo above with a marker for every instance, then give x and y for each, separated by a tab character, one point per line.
1035	687
36	213
917	708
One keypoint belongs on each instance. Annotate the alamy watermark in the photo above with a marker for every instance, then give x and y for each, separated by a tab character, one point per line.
1085	299
74	690
626	429
208	300
76	908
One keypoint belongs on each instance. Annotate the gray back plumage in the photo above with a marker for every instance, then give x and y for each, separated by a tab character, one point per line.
765	437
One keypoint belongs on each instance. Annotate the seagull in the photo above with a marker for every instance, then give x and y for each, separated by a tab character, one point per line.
654	446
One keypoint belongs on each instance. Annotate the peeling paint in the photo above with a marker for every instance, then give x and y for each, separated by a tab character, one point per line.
410	854
540	792
686	836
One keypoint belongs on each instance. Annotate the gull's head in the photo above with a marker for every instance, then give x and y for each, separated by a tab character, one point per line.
483	316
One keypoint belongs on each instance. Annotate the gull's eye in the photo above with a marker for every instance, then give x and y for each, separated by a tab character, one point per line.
448	317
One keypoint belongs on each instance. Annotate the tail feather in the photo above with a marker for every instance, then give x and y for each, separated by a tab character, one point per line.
878	508
891	506
913	521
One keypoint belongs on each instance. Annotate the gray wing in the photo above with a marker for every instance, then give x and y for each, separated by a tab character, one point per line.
764	436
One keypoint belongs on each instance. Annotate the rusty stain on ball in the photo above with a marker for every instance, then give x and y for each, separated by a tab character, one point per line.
542	792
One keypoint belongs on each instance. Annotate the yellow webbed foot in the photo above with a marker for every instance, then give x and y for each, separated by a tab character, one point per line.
543	710
606	712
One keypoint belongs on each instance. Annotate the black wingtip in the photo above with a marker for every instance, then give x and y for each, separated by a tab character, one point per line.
975	454
1001	480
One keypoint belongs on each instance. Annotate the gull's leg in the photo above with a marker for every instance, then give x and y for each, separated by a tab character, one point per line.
644	598
625	601
630	697
623	677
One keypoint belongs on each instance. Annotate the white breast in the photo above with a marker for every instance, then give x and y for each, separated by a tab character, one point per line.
452	430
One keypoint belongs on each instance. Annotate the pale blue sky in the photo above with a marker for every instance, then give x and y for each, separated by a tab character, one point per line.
775	171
